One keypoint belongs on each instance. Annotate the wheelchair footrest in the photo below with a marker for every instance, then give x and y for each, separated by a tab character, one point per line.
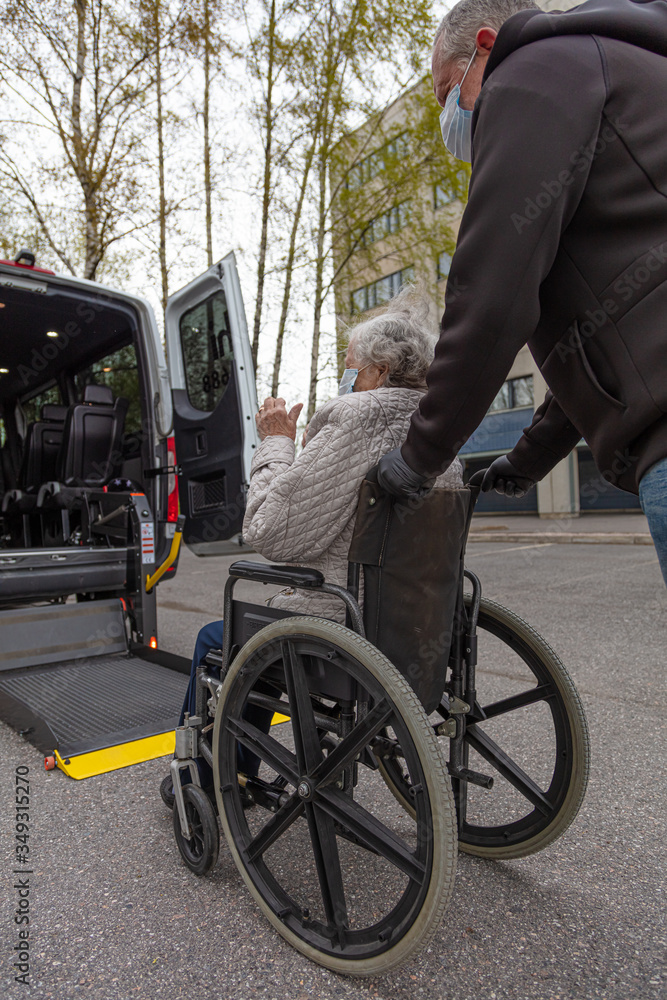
474	777
264	794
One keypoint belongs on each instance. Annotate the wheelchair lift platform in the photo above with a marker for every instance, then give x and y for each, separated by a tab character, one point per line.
79	692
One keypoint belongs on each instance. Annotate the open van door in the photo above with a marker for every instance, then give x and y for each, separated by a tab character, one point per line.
214	405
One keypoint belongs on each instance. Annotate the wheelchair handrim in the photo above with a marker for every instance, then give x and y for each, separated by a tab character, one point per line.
376	947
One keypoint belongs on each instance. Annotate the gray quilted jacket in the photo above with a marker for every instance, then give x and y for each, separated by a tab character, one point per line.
302	509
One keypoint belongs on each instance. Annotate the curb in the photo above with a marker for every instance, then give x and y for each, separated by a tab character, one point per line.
563	537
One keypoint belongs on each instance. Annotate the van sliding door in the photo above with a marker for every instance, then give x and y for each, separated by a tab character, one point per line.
214	401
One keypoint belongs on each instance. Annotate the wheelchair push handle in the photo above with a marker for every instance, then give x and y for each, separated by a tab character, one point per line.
475	481
477	478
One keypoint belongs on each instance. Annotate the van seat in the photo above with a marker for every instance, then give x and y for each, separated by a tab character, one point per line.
40	458
91	454
42	447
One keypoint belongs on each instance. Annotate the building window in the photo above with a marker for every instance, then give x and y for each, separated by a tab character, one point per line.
444	264
383	225
380	291
447	191
514	393
376	162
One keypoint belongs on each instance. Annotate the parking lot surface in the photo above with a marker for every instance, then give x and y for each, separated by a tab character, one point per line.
115	914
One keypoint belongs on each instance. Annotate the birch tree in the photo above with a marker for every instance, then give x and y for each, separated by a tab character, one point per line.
288	269
270	55
76	78
352	51
162	28
205	40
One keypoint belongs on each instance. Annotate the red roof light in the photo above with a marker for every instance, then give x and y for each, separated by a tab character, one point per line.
26	260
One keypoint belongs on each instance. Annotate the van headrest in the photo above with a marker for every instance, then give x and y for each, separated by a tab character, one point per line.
98	394
54	414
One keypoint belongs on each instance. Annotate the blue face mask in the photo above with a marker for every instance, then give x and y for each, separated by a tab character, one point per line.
456	122
347	381
349	377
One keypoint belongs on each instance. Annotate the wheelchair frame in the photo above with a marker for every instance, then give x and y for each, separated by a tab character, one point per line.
460	714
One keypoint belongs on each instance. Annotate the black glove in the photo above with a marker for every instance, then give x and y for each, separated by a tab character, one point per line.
502	477
397	478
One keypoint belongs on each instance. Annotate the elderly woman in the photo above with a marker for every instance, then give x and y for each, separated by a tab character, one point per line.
301	508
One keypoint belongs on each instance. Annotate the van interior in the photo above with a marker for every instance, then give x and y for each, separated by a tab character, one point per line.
93	505
74	425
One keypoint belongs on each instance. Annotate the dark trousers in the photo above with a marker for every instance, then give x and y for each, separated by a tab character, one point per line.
210	637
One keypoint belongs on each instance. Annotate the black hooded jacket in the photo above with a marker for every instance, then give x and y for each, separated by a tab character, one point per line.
563	245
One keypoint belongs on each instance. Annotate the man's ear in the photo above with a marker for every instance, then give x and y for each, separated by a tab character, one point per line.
485	40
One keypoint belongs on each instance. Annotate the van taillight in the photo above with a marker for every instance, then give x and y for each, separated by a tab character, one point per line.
172	482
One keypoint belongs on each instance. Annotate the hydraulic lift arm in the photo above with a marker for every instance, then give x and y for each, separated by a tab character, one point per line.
171	558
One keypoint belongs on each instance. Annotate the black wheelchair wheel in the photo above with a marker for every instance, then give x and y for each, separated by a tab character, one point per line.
167	791
533	742
200	850
334	863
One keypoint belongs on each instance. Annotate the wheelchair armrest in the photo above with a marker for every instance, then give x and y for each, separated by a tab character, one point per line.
294	576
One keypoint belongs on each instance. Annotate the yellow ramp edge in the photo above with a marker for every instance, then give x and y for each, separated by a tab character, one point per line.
87	765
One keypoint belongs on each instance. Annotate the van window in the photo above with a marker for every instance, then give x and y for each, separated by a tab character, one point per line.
120	373
207	351
32	408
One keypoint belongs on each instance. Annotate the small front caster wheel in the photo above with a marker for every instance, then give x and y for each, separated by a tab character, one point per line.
200	850
167	791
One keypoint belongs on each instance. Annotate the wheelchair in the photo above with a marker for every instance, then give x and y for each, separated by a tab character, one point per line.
434	721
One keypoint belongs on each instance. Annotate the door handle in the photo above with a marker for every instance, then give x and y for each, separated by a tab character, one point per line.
57	558
201	446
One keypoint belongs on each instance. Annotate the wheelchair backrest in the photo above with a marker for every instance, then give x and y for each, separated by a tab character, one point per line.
412	559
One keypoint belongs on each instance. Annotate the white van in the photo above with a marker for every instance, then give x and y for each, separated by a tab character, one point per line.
103	446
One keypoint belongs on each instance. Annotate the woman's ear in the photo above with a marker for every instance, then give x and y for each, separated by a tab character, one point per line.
383	372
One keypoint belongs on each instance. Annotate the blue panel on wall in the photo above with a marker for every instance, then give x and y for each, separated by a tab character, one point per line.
498	431
595	493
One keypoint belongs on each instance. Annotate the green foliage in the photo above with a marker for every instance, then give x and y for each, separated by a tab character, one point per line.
396	158
32	408
119	372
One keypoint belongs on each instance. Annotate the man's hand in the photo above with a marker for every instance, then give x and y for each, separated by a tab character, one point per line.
502	477
397	478
273	418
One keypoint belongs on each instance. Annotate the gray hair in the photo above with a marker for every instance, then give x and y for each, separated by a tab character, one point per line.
456	33
399	339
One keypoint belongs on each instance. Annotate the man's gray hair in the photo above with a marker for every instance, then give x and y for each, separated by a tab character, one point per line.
455	37
400	339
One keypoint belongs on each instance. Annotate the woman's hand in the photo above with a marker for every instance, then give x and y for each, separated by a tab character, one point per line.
273	418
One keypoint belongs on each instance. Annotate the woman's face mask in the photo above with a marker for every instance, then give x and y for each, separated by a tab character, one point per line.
348	379
456	122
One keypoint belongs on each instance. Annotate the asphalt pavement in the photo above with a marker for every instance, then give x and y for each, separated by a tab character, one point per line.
115	914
